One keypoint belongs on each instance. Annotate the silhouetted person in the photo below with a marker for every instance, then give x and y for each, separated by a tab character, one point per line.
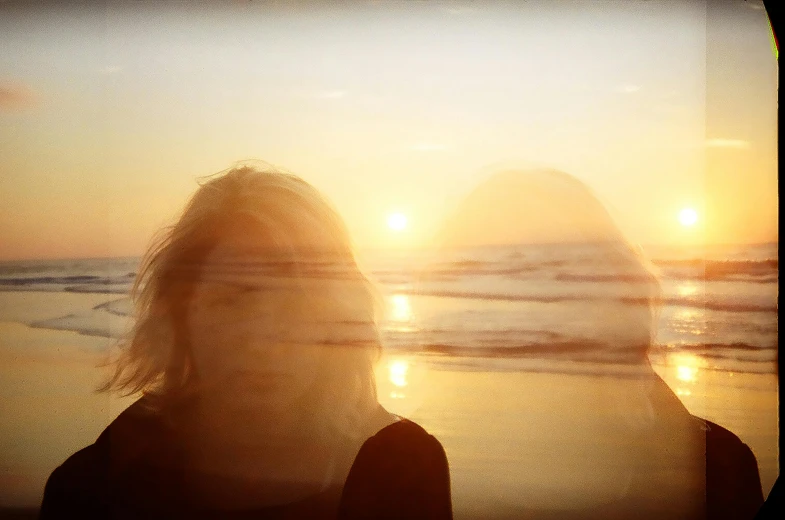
620	445
254	344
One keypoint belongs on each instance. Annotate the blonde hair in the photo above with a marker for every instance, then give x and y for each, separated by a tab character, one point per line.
155	358
554	207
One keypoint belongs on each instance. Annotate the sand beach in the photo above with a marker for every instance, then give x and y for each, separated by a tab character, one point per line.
490	422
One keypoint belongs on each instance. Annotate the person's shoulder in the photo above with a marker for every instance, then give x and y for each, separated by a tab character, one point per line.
400	472
84	466
403	446
733	486
406	433
83	484
77	487
725	447
86	472
773	502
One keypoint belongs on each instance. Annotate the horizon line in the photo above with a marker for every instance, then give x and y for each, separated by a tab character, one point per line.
378	249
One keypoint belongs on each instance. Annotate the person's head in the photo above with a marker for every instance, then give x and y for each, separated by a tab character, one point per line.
581	252
588	295
254	297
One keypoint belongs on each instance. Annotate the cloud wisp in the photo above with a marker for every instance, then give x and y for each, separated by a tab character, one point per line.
16	97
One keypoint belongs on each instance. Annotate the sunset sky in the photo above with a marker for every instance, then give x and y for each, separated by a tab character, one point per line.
107	115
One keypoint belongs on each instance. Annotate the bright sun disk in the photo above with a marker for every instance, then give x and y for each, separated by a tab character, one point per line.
397	221
688	217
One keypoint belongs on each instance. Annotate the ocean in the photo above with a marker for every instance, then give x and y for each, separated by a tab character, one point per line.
508	308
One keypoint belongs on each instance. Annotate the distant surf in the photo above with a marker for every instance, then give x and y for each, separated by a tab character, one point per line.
484	305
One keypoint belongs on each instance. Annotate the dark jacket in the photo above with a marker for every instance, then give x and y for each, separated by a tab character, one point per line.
132	471
733	487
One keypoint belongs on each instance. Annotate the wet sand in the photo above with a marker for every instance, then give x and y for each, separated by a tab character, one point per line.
486	420
49	407
499	429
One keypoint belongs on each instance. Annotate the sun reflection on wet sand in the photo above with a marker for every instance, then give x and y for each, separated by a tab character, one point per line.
400	383
400	310
687	314
398	370
687	289
686	373
398	376
686	368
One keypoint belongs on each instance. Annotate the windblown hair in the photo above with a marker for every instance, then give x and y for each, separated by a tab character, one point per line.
156	359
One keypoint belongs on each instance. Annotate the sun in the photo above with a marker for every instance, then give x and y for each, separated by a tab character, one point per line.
397	221
688	217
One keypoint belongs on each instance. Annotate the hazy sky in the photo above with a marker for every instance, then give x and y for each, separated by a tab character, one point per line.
108	114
